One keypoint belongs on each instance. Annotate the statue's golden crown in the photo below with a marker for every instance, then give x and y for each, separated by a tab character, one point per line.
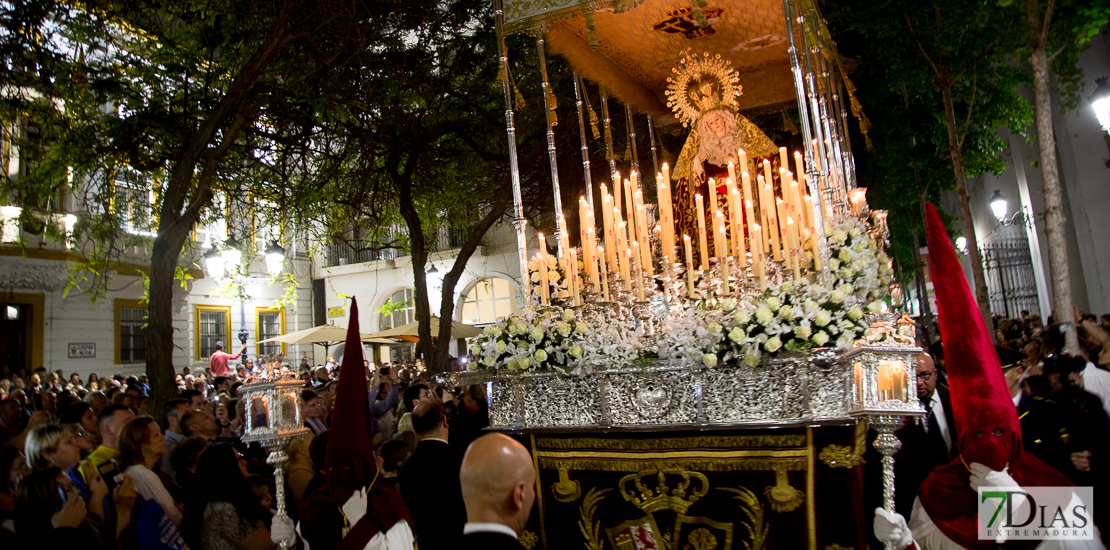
674	490
701	84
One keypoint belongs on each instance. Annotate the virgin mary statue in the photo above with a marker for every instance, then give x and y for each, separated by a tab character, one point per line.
702	93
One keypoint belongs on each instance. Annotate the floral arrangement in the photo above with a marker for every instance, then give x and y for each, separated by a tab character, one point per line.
536	338
855	257
556	277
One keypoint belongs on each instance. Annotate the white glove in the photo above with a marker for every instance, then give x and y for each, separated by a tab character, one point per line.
355	507
983	476
282	532
891	527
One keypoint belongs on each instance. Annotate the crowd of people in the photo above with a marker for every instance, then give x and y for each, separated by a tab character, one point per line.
89	463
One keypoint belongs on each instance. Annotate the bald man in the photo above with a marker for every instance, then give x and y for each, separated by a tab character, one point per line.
498	487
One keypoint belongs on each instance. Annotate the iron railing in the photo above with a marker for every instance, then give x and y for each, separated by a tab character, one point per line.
1009	271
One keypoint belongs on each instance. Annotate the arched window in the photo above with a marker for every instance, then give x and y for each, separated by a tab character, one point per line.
401	310
488	300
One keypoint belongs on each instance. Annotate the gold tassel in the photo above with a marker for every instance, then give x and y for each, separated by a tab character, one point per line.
591	30
788	124
552	104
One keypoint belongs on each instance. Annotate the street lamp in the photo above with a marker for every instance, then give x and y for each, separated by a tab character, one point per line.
1100	100
998	206
231	254
961	245
214	264
275	259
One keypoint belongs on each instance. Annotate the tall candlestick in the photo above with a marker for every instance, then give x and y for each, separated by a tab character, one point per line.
782	232
722	260
811	243
792	230
617	189
799	207
643	239
576	294
784	161
732	177
704	254
799	166
592	256
740	251
604	275
773	222
607	219
712	198
743	162
622	256
757	259
630	207
666	214
734	216
635	254
809	210
541	264
719	245
689	267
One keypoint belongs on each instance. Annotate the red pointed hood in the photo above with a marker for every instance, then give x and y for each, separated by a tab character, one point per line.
349	463
981	400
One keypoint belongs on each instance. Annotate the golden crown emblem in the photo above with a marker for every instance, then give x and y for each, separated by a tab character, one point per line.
675	490
702	83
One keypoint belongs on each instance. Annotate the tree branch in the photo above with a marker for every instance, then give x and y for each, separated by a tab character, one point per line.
921	46
970	105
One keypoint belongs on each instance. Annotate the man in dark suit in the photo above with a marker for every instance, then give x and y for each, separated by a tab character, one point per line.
430	481
499	488
1043	430
927	442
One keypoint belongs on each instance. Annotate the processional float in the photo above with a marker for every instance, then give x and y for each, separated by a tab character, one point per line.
699	355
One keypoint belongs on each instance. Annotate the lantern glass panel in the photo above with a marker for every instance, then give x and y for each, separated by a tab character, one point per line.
260	411
289	416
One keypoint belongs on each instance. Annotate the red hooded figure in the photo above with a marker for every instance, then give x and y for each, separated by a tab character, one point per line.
353	510
989	431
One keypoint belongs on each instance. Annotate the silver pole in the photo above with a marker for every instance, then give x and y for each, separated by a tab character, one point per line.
585	150
814	169
632	142
551	157
514	167
651	136
609	139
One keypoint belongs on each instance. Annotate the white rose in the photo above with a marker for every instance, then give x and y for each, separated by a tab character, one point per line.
845	256
837	296
786	312
855	313
536	335
751	359
728	304
575	351
532	265
834	264
553	276
772	344
742	317
838	236
709	360
820	338
715	328
773	303
476	349
736	335
875	307
491	330
489	360
810	305
855	232
822	318
803	332
524	362
540	356
562	328
763	316
536	277
848	288
513	364
568	315
580	327
551	261
500	347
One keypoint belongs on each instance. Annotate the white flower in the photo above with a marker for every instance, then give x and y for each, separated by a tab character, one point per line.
472	366
834	264
848	288
810	306
844	341
715	328
513	364
844	256
855	232
772	344
786	312
709	360
500	347
751	359
551	261
540	356
568	315
553	276
773	303
580	327
524	362
476	349
820	338
575	351
489	360
742	317
838	236
764	316
855	313
875	307
518	329
736	335
803	332
728	304
536	277
532	265
822	318
562	328
492	330
837	296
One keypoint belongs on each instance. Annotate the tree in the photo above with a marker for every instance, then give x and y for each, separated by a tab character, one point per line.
937	62
1057	30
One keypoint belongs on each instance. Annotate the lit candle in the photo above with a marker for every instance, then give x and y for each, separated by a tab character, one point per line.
799	206
857	375
666	215
703	252
592	256
898	380
604	275
884	381
607	219
743	161
792	229
577	285
752	222
784	161
630	207
719	244
620	239
773	228
643	239
623	256
616	189
722	260
809	211
757	258
799	166
541	264
635	254
741	252
689	267
780	209
732	172
812	236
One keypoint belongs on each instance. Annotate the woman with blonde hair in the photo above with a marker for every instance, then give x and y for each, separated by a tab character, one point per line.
52	445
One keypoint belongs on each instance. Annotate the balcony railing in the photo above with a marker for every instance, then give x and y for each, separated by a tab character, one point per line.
447	238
